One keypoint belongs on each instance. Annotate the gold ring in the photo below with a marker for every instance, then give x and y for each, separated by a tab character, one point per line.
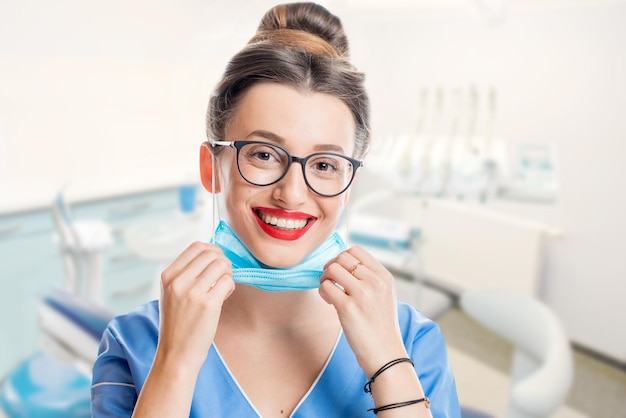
354	267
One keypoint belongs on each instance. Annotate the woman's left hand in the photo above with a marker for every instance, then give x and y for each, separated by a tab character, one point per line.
366	306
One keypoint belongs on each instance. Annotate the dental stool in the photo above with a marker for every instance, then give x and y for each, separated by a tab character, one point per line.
55	382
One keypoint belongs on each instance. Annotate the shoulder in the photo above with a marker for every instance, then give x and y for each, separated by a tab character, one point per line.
128	345
139	326
125	355
146	315
413	322
420	333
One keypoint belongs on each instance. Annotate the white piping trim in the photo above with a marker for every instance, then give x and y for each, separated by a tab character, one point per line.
130	385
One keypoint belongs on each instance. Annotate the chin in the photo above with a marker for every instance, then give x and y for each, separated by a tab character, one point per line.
279	260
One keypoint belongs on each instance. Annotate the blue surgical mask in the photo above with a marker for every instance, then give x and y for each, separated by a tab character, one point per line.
248	270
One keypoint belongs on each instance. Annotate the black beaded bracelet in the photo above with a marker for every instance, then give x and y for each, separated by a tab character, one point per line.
401	404
368	386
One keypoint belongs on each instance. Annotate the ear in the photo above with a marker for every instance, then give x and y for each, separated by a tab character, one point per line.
206	168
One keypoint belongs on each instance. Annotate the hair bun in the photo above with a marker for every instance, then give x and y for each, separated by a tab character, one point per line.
310	18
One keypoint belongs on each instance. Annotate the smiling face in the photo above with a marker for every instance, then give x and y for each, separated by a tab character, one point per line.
284	222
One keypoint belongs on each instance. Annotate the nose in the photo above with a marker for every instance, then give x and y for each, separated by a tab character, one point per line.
292	188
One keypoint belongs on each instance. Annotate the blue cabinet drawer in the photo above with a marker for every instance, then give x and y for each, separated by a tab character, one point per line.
25	223
22	256
127	288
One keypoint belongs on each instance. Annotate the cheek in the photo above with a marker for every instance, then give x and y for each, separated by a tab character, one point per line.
229	178
334	209
237	194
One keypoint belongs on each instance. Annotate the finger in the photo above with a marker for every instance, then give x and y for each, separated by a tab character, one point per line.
371	268
361	254
188	275
338	275
356	267
211	273
348	261
223	287
331	292
182	261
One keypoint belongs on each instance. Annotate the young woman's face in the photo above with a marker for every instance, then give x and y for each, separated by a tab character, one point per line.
284	222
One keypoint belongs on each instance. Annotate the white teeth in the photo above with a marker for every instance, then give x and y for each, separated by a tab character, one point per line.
283	223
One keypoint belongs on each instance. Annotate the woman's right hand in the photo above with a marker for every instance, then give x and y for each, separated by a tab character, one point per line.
193	289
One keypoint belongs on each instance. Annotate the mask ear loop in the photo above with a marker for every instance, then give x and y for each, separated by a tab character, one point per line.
214	214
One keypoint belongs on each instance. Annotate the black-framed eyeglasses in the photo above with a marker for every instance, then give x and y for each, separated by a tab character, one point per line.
262	164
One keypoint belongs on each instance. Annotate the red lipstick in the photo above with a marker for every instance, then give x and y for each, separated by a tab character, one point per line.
281	233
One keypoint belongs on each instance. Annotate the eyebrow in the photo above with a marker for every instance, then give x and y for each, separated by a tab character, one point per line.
281	141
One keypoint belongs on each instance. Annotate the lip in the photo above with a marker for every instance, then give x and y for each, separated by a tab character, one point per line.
282	234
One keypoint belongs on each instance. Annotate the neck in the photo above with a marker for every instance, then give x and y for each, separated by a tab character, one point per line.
276	312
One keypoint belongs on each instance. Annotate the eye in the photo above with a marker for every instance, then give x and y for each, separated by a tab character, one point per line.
262	154
265	156
326	165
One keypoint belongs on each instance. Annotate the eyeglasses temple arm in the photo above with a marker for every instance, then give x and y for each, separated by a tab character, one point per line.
222	143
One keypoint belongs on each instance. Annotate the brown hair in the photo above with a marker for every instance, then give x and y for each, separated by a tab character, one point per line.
302	45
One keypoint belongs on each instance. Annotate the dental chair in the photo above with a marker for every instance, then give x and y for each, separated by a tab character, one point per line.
542	368
81	243
55	380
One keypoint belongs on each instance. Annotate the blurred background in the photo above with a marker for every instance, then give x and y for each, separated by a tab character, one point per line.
498	136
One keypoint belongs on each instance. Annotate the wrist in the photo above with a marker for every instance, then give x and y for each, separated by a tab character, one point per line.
175	368
368	386
375	360
396	385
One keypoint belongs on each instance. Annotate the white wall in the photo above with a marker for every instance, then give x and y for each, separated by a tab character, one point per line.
109	89
559	73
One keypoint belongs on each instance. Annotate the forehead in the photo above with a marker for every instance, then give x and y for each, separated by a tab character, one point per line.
300	120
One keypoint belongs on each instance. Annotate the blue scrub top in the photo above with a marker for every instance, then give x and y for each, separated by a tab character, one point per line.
129	344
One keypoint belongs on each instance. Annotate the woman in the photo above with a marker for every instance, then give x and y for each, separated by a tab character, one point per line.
311	329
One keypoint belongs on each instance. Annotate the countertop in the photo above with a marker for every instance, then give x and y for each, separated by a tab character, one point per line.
22	196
